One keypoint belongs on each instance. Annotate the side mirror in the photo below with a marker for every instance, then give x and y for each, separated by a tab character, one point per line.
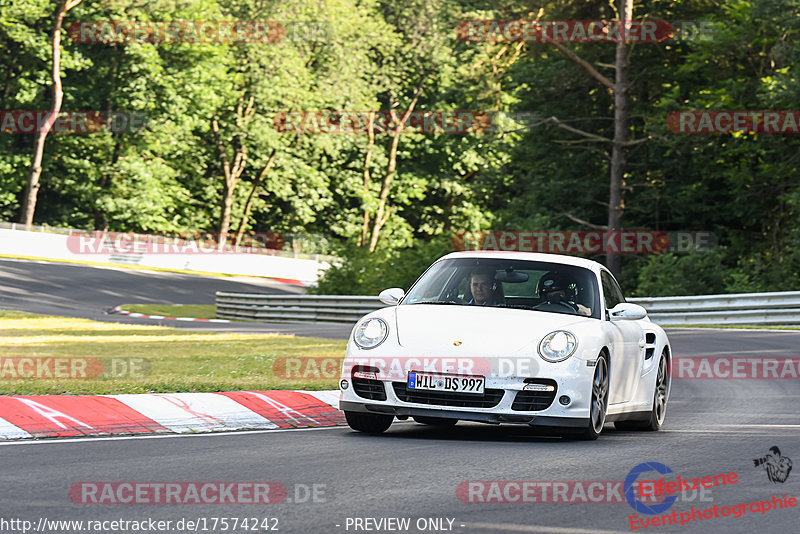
627	311
391	296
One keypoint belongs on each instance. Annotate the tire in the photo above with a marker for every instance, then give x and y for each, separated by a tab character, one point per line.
659	411
436	421
599	403
368	422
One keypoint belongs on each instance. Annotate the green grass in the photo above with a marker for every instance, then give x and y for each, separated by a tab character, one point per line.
198	311
168	360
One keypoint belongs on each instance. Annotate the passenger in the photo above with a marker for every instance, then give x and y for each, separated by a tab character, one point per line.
553	289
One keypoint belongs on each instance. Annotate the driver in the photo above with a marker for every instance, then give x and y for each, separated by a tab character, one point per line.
483	287
553	289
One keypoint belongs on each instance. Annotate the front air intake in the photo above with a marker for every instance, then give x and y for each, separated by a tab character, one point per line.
365	383
538	394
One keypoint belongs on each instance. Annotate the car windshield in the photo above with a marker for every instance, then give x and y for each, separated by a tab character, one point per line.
505	283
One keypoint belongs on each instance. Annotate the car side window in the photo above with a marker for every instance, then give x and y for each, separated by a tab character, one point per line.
611	291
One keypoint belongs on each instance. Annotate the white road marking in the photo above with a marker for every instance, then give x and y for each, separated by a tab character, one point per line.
759	425
739	431
512	527
780	331
166	436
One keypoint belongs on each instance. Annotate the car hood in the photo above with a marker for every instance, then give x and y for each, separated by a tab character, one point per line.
488	331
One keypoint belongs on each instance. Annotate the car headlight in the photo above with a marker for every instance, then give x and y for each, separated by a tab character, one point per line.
557	346
371	333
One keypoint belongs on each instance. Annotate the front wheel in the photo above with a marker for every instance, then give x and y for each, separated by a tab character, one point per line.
599	403
368	422
659	411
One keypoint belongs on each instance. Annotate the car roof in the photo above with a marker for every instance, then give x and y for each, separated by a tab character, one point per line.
527	256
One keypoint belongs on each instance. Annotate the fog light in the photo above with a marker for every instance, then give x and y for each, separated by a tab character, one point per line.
343	384
563	399
365	375
538	387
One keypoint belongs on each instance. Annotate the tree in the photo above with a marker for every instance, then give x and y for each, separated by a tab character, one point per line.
620	141
32	190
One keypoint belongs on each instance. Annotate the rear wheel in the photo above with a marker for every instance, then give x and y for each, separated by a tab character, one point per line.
659	411
436	421
599	402
368	422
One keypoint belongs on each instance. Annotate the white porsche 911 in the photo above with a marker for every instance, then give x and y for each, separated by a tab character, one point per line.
508	337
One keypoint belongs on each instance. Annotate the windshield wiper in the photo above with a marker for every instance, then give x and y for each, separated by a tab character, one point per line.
515	306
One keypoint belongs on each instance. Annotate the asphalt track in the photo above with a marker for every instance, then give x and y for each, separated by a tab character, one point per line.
90	292
713	427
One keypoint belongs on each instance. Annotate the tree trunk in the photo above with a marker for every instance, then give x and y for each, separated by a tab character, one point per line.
32	189
232	172
249	204
367	159
382	214
231	178
380	218
615	200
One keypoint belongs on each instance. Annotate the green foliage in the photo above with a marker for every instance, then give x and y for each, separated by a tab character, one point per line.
365	273
697	273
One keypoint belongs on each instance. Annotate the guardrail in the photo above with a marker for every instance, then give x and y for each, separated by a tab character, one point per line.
742	308
268	308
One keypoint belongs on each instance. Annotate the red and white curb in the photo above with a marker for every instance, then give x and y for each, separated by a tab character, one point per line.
143	316
48	416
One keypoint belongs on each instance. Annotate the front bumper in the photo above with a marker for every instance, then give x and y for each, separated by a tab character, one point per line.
492	417
503	401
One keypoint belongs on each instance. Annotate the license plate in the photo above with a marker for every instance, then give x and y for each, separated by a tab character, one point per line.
439	382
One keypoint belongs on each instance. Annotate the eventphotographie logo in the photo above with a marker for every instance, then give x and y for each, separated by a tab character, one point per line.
777	467
667	490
